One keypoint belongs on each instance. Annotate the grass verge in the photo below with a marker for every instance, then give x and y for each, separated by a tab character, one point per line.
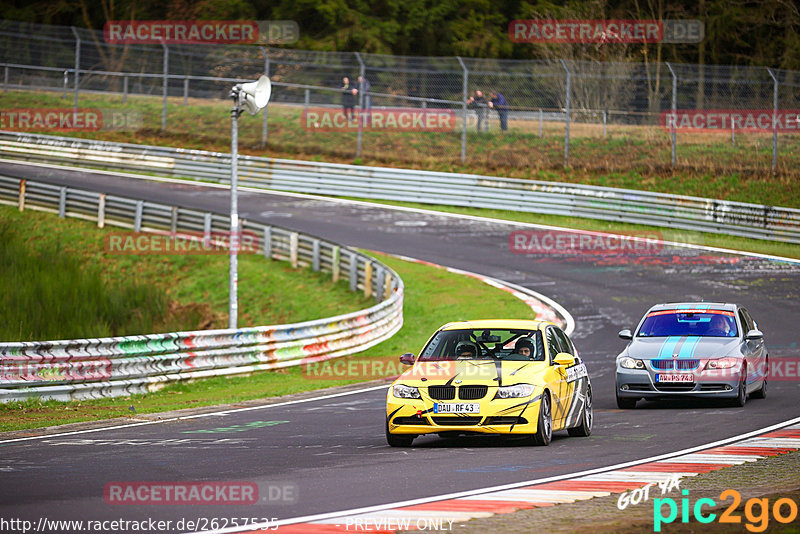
63	284
636	157
433	297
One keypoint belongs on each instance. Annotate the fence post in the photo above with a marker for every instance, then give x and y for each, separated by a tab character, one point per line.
359	138
774	121
464	97
265	118
307	100
77	71
567	110
605	121
125	89
185	91
674	118
165	88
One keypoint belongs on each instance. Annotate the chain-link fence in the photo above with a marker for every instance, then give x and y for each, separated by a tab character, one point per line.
539	114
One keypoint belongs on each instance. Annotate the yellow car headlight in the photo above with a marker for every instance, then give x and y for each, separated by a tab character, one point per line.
405	392
515	391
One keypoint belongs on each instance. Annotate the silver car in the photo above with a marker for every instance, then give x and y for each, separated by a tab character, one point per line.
693	349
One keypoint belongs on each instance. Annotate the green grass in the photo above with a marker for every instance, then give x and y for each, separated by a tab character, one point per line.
433	297
635	157
59	283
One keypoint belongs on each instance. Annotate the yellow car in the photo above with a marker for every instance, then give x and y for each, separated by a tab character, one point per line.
491	377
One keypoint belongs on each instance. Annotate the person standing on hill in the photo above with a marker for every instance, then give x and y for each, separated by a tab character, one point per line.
498	102
348	98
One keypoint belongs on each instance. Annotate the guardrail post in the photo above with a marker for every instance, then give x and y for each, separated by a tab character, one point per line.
774	121
101	211
335	266
368	279
207	230
5	81
306	100
62	202
361	115
568	102
265	118
464	97
173	225
605	121
673	136
268	242
380	287
733	132
185	91
353	271
387	286
137	216
66	82
22	195
77	70
293	249
125	89
315	255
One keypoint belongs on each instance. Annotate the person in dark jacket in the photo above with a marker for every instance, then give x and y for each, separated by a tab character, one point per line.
478	102
498	102
348	98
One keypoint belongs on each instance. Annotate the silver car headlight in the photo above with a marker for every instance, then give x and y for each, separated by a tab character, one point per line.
722	363
515	391
405	392
630	363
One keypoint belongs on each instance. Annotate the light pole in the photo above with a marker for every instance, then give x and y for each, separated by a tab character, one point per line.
253	96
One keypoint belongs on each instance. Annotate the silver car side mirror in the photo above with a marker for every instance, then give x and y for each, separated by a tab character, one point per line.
626	334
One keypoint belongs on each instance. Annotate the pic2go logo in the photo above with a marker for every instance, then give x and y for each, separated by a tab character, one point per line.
757	511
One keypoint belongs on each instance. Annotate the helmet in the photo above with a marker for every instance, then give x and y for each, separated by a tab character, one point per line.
466	346
524	343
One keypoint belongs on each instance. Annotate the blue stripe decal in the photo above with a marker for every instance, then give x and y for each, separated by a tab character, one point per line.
668	346
687	350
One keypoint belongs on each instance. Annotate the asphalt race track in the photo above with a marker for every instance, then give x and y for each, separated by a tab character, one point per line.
330	454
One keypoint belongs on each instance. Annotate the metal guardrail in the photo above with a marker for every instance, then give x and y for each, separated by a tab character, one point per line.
88	368
622	205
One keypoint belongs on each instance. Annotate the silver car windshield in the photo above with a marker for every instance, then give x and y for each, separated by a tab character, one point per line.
705	323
